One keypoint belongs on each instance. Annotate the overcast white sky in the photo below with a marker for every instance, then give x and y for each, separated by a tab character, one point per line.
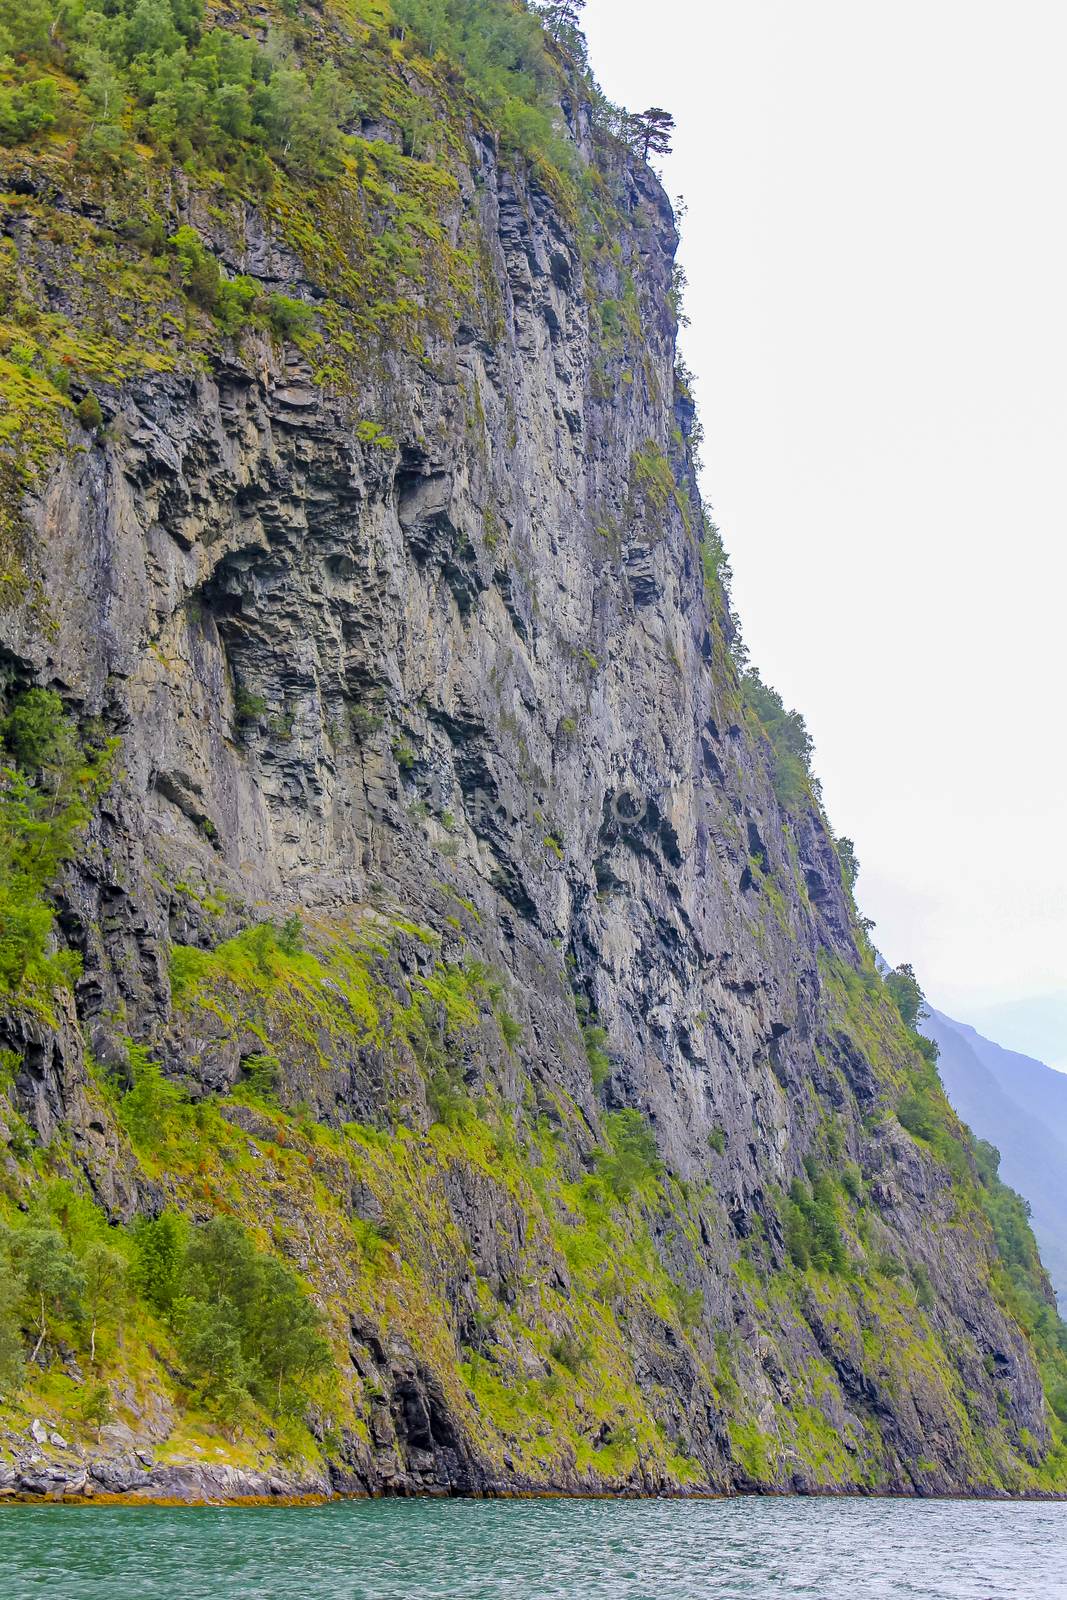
876	245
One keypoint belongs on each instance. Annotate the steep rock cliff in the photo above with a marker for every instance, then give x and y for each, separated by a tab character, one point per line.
496	954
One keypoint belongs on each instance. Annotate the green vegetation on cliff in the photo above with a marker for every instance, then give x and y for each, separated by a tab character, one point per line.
49	782
243	1350
794	783
501	50
540	1367
554	1166
1020	1281
155	72
129	94
243	1330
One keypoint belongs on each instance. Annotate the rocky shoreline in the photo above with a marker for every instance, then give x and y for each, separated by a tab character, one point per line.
58	1472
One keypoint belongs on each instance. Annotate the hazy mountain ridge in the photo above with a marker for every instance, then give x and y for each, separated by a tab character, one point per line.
1019	1105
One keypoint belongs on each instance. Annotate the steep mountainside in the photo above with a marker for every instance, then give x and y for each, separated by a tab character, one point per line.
453	1061
1020	1106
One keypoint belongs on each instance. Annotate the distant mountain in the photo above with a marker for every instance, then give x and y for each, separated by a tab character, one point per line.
1036	1025
1020	1105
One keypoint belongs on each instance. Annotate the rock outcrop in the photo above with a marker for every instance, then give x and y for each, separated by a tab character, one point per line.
414	629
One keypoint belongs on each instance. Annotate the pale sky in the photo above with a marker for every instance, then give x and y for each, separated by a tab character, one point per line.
876	244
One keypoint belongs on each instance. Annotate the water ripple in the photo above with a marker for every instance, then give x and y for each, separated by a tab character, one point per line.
540	1550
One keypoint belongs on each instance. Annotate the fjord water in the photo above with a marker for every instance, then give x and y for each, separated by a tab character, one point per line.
539	1550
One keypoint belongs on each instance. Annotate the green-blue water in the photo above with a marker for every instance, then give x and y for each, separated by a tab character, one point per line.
539	1550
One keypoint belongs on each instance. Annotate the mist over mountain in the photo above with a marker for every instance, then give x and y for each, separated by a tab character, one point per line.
1034	1026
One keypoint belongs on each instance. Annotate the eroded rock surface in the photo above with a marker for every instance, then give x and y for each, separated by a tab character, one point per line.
432	658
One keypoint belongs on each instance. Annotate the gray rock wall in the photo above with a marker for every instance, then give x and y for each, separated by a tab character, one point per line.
449	635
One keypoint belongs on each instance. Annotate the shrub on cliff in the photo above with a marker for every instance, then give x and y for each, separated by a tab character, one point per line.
289	318
49	782
27	109
632	1161
12	1359
906	994
235	303
789	739
812	1232
89	413
150	1104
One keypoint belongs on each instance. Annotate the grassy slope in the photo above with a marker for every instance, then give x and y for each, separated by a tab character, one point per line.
542	1370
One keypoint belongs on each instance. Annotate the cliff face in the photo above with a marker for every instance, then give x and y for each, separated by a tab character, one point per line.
501	981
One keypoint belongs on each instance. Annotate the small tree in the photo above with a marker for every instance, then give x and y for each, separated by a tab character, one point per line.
152	1103
49	781
159	1247
209	1345
36	732
51	1277
105	1288
563	18
234	302
11	1353
907	995
94	1406
651	132
284	1330
562	14
850	867
200	273
291	935
633	1159
221	1267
